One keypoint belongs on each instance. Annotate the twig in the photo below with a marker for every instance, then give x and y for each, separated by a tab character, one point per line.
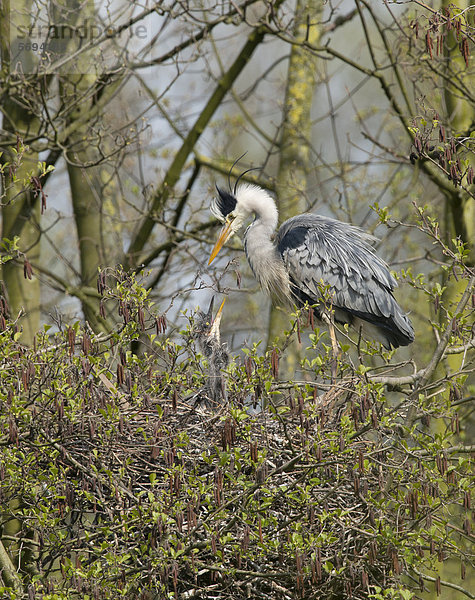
448	584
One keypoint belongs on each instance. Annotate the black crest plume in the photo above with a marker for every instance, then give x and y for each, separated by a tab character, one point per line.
231	170
241	175
226	201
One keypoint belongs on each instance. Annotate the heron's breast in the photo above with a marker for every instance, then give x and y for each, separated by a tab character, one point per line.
271	274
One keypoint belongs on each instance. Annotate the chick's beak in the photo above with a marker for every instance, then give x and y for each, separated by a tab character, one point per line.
219	314
209	314
224	235
214	331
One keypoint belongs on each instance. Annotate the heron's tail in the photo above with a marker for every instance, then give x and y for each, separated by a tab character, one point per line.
392	330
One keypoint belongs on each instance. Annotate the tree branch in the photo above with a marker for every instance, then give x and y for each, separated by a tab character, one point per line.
224	84
448	584
439	351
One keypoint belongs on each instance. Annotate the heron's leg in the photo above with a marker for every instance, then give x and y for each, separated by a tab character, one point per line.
335	348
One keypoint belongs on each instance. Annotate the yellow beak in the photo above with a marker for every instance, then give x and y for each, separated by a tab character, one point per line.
214	331
224	235
220	310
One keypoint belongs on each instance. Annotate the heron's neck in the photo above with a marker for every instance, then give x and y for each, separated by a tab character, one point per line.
263	257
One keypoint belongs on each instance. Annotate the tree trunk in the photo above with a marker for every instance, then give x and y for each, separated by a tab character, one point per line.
460	116
460	211
23	293
87	204
296	133
460	206
88	219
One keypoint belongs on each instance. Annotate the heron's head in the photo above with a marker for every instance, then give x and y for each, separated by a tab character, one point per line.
234	208
232	212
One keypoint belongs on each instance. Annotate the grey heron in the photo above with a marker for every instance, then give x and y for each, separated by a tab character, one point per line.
311	256
206	332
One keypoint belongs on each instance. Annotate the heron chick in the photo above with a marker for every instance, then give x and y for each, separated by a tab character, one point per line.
206	332
310	253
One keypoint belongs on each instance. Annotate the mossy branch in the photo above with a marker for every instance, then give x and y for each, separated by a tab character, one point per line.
174	172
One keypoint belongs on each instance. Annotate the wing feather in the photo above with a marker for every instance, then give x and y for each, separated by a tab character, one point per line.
320	251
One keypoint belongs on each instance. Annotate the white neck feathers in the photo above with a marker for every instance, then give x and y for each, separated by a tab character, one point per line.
263	257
